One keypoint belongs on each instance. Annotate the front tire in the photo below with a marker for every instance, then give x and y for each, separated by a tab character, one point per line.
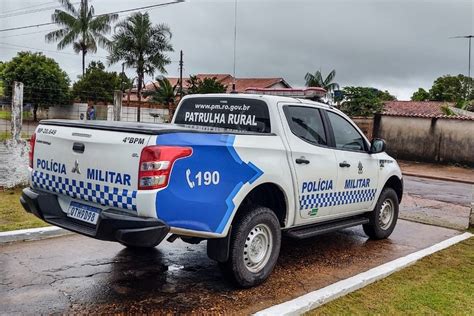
383	218
254	247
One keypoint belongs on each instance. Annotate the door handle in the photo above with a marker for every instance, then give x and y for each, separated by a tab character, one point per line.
344	164
302	161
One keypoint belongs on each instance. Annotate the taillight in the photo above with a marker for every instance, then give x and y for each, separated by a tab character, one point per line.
156	163
32	149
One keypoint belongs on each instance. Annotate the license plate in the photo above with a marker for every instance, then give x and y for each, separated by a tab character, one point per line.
83	212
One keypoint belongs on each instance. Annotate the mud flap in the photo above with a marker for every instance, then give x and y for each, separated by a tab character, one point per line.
218	248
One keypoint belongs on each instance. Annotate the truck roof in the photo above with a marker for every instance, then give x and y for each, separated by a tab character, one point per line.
265	97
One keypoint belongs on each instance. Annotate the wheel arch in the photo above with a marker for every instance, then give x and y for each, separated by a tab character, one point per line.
396	184
269	195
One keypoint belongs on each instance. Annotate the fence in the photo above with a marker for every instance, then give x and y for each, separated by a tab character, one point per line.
21	111
36	97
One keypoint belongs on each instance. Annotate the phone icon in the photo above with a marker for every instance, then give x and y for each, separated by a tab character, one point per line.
188	178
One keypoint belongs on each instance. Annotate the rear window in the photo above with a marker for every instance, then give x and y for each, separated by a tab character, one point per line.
231	113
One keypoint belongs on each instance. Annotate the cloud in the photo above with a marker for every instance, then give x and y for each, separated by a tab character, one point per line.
396	44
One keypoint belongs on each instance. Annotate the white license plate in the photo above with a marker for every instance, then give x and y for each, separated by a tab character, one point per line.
83	212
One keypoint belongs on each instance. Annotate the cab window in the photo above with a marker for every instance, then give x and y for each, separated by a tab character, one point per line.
306	123
345	135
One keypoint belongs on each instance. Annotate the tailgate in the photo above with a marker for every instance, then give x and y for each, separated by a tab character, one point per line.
99	166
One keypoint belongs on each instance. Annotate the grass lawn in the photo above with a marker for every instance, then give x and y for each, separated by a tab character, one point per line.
6	115
12	214
442	283
8	135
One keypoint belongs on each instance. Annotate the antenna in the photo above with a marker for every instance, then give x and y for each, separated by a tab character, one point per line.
469	63
235	43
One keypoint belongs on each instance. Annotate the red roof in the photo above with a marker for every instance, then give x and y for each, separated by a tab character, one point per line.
427	109
240	83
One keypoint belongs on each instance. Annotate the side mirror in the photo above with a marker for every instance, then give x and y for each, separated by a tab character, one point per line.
378	145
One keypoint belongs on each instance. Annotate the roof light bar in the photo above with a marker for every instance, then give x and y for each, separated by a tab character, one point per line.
305	93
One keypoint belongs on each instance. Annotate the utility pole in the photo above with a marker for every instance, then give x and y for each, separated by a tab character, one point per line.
181	63
121	79
235	43
469	37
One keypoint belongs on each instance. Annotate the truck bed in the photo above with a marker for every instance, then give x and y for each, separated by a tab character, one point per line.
146	128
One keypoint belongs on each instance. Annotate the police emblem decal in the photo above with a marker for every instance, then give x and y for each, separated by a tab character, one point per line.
76	169
361	167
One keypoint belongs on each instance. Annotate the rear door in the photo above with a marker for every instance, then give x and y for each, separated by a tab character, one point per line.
96	166
357	170
313	161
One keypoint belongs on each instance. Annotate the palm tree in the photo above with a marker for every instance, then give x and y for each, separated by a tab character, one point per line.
164	91
141	45
80	28
316	80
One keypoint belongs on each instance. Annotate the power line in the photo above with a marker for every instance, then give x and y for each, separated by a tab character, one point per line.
115	12
29	33
56	52
46	50
8	15
29	7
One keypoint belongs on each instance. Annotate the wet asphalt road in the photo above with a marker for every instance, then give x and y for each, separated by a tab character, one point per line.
442	203
75	274
444	191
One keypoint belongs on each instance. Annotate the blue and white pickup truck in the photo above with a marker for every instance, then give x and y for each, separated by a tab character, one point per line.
238	171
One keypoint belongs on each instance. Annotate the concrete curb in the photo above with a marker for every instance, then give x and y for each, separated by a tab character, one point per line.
322	296
32	234
414	174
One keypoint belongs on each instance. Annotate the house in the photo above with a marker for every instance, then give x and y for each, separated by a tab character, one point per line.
241	84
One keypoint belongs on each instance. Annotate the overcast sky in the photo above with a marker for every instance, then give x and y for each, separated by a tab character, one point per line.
398	45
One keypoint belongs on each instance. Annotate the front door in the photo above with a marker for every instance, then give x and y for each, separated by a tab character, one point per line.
314	162
358	171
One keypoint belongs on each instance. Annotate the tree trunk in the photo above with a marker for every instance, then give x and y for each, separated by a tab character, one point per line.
35	109
83	62
139	95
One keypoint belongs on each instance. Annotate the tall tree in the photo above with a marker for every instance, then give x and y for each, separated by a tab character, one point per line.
452	89
98	85
420	95
207	85
142	46
364	101
80	28
164	92
45	82
316	80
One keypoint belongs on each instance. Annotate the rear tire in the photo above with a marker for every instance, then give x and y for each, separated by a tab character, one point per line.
254	247
383	218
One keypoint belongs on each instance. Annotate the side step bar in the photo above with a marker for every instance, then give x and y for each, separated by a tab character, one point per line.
323	228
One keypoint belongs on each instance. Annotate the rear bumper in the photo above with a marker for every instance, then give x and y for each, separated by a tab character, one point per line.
130	230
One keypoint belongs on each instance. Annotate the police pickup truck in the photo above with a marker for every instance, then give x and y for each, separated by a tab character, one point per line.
236	170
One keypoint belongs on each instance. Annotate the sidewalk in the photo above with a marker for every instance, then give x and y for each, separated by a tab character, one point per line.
437	171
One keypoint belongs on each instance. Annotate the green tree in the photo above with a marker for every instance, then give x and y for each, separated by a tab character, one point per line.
98	85
452	89
420	95
81	28
363	101
207	85
316	80
45	83
164	92
142	46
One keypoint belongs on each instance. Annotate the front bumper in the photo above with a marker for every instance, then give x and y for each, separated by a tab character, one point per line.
111	226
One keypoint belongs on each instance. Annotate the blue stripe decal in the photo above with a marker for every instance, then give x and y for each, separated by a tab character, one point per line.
202	187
